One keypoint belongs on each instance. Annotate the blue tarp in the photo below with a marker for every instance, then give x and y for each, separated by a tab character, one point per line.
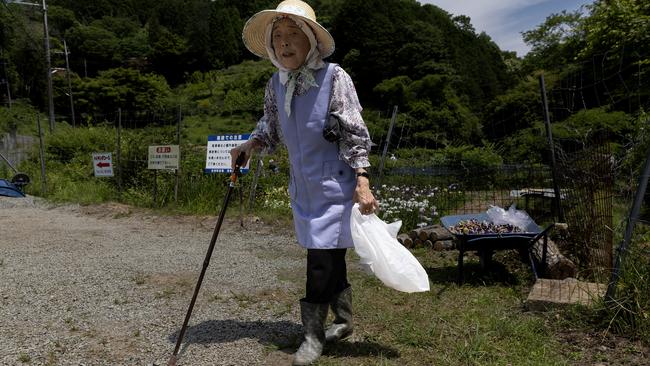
9	189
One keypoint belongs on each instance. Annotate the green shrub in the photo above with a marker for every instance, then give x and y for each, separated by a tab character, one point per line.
20	118
68	143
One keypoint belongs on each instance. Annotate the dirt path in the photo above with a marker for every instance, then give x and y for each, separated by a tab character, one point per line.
107	285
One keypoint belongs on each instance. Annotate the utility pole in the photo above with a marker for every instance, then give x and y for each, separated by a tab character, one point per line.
50	97
46	32
67	74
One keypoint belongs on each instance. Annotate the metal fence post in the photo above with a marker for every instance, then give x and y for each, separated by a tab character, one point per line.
383	154
155	188
119	151
549	136
258	171
178	142
41	155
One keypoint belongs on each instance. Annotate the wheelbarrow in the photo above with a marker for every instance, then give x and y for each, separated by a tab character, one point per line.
486	244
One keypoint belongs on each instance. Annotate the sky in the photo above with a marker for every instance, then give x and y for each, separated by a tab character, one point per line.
504	20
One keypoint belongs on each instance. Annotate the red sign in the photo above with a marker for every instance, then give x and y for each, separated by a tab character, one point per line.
163	149
103	165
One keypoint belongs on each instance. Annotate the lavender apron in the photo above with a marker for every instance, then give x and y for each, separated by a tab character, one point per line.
320	185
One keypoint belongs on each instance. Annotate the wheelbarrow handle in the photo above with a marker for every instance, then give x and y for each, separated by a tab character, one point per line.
527	237
542	233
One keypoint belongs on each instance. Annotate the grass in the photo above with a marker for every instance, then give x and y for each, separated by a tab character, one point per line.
483	322
474	324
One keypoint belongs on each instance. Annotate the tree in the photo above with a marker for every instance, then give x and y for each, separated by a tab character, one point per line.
613	24
124	88
394	91
93	44
553	42
518	108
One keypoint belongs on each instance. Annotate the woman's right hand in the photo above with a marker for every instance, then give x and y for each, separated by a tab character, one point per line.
247	148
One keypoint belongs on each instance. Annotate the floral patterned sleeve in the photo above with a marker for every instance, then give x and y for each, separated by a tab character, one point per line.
268	127
344	104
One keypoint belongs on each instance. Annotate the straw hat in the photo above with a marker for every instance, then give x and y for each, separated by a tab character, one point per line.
255	28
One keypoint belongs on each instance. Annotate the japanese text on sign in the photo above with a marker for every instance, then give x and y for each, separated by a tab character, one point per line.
163	157
103	164
218	152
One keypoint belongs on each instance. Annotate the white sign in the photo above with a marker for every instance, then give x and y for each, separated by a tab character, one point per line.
163	157
103	164
218	155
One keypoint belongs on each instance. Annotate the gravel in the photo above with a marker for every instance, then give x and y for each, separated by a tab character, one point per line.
110	285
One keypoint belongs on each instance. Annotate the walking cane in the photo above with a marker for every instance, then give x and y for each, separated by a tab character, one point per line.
206	262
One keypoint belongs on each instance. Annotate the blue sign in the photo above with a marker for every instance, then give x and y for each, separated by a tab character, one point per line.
218	158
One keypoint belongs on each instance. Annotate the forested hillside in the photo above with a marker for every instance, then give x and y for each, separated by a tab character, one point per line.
452	86
399	52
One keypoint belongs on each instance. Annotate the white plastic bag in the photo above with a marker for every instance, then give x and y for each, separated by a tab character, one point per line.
380	253
512	216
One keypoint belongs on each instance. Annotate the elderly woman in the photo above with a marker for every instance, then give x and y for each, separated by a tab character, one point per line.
327	177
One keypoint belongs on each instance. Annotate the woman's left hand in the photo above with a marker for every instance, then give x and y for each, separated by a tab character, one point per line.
364	197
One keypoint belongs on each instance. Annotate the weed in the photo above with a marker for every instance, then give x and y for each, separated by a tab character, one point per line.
243	300
71	326
629	313
219	298
117	301
165	294
24	358
51	359
120	215
139	279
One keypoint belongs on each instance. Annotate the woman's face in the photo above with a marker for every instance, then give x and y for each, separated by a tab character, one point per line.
290	44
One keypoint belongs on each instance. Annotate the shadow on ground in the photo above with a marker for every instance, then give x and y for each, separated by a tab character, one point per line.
473	275
284	335
281	334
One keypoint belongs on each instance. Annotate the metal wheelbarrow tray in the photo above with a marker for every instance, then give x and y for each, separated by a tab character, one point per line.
486	244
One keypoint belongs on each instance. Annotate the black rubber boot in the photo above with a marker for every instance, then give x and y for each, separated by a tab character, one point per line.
342	326
313	320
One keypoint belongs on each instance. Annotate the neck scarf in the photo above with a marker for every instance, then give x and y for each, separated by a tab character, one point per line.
303	76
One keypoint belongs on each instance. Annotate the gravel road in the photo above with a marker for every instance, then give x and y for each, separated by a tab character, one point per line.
110	285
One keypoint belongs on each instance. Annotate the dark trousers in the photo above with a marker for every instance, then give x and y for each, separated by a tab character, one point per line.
326	274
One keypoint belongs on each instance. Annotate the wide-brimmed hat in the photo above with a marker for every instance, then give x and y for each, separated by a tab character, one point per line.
254	33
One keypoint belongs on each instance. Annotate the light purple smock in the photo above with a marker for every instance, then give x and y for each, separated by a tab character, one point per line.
320	185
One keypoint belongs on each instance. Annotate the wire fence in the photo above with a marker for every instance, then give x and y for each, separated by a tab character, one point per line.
588	171
594	190
587	176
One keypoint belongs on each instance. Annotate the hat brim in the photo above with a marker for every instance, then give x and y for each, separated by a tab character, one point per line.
254	33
